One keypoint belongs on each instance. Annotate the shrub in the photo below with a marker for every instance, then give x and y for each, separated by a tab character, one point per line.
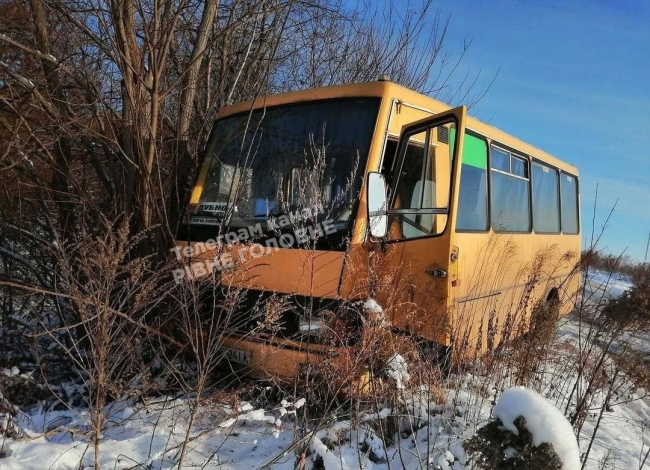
632	309
494	447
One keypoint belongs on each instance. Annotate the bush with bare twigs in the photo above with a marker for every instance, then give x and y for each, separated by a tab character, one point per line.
496	448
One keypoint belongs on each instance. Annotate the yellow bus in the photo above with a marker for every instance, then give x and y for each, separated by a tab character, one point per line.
318	200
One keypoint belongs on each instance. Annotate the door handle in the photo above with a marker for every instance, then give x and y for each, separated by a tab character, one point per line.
436	272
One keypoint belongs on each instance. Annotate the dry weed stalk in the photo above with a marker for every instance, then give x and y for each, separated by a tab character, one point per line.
113	293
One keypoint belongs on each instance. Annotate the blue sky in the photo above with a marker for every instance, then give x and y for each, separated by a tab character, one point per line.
574	81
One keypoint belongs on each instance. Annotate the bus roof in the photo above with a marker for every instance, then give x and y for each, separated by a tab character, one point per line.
390	90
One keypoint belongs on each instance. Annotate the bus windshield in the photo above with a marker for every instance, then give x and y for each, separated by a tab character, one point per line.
280	160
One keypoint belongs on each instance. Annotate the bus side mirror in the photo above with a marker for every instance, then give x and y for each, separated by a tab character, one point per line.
377	204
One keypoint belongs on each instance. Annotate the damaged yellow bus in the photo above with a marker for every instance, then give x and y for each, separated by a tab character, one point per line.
310	203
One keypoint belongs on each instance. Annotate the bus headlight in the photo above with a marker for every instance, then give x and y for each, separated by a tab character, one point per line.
312	327
316	325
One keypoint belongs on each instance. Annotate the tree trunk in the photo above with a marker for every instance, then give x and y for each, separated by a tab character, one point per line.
184	160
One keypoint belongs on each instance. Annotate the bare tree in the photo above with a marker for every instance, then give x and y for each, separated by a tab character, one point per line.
104	111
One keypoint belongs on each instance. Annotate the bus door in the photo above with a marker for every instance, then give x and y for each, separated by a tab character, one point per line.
419	261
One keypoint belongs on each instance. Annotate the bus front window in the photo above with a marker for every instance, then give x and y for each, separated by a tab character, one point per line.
284	159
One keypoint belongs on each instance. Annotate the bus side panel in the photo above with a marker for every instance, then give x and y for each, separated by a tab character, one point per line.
489	265
502	277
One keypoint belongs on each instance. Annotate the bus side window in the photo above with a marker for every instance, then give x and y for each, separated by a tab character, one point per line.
389	158
509	191
472	197
569	198
546	199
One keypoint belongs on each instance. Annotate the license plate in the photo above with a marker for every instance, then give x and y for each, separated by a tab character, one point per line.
205	221
235	355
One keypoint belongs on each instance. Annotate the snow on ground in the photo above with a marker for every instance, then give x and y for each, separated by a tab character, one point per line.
607	284
150	436
624	432
428	431
424	429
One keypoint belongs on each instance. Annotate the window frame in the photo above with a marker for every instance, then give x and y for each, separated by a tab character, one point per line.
558	172
408	132
577	203
518	154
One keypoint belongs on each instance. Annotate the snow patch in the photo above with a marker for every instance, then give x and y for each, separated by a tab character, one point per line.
371	305
14	371
397	369
299	403
374	312
544	421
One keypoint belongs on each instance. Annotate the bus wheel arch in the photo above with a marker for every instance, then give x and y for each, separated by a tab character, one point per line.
553	295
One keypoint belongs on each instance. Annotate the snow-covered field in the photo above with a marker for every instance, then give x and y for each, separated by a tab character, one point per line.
150	435
607	284
624	432
420	429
